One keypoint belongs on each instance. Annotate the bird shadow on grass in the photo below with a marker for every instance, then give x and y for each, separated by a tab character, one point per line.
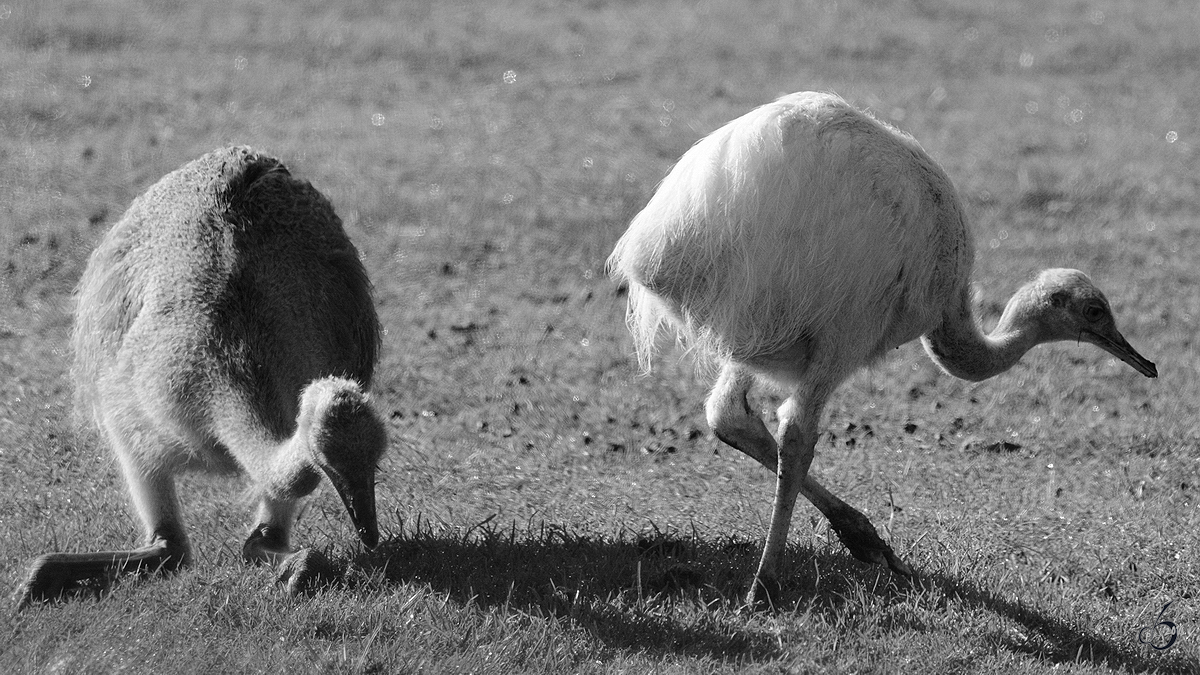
1054	640
619	589
678	595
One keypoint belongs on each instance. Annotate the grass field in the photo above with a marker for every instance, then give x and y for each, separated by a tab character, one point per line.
546	508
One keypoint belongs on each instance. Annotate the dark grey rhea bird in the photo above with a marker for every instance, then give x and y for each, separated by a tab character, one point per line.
226	323
803	241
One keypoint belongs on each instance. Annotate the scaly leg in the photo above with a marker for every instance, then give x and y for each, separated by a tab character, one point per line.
302	570
732	420
798	418
166	548
854	529
268	542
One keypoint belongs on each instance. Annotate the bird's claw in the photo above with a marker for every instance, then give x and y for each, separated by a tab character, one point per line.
40	584
864	543
306	571
897	565
764	593
266	545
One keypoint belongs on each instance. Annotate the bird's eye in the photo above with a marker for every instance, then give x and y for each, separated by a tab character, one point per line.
1093	313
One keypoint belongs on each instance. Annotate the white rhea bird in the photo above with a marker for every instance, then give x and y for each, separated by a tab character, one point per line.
800	243
226	323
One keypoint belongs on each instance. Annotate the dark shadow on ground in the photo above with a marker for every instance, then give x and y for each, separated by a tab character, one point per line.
594	582
1054	641
599	584
614	587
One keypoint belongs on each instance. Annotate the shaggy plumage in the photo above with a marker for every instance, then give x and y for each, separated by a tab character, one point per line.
797	244
226	322
739	242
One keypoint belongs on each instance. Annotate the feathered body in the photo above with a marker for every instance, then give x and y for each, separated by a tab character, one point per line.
799	243
801	221
225	289
226	322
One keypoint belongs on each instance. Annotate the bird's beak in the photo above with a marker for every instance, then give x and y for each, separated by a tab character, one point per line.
359	498
1114	343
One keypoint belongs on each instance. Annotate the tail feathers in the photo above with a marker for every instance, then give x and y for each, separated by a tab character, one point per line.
646	317
647	314
651	319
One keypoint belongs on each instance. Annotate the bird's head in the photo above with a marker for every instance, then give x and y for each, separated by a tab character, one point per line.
346	439
1070	307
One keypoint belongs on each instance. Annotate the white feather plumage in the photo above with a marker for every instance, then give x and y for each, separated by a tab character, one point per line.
798	243
801	219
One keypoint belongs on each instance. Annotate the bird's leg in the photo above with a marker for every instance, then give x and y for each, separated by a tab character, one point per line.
732	420
798	418
51	574
166	548
854	529
306	570
268	542
302	570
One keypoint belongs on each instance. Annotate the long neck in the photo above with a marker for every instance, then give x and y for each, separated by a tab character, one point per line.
961	348
291	472
281	466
